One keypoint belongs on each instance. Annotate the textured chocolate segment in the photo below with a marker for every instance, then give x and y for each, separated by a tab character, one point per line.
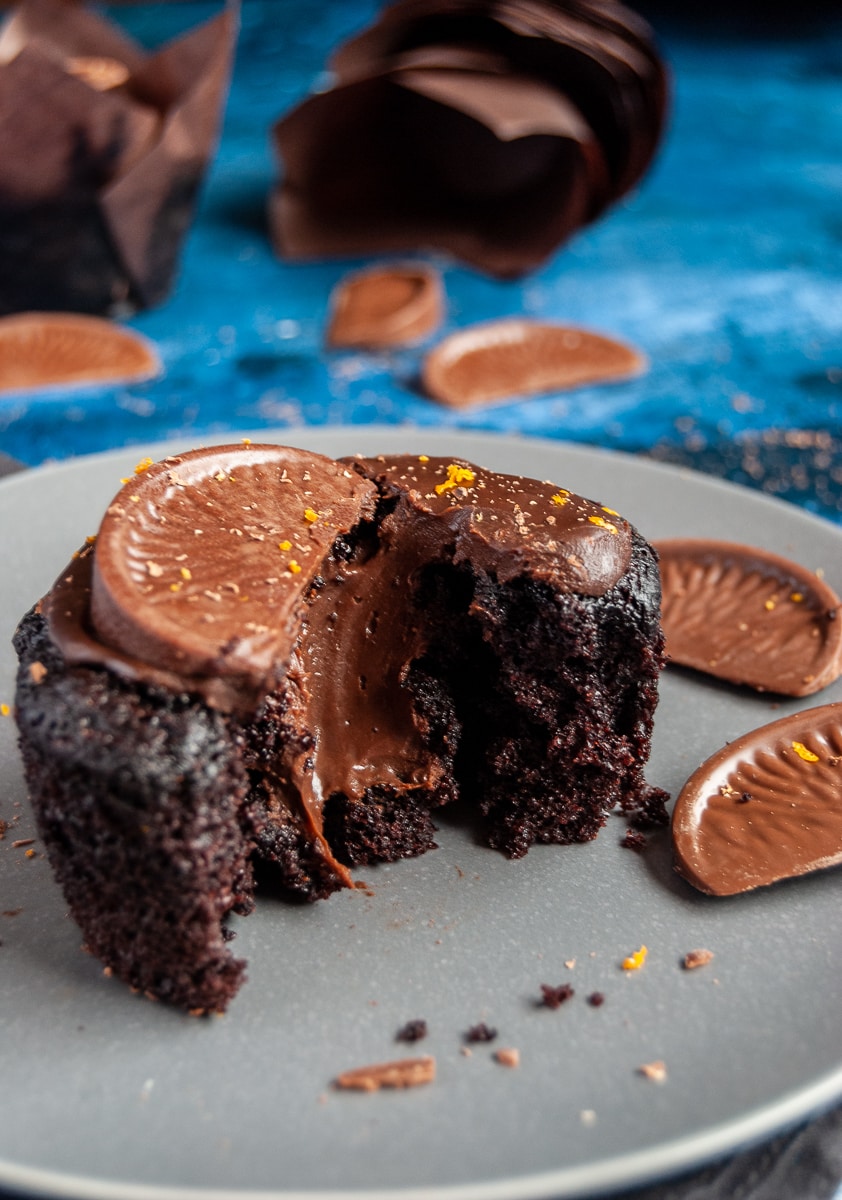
201	561
749	616
767	806
44	349
385	306
517	357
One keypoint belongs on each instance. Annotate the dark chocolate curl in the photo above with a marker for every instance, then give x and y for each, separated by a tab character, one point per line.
492	131
96	218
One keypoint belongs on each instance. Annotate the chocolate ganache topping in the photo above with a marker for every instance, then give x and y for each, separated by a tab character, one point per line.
243	573
505	524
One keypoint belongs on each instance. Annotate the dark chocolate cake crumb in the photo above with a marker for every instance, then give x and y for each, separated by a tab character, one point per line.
634	840
480	1033
596	999
412	1031
651	810
554	997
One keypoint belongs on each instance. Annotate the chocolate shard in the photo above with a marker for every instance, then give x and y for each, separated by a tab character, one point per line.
94	222
491	132
749	616
766	807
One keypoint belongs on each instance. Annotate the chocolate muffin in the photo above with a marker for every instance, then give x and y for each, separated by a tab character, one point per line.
271	657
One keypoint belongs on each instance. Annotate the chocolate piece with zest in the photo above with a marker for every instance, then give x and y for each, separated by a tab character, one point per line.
749	616
766	807
385	306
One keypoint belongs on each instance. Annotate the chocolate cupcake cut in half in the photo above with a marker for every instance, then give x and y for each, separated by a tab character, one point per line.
491	131
267	655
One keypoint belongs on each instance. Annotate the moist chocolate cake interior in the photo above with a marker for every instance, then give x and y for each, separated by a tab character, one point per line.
453	631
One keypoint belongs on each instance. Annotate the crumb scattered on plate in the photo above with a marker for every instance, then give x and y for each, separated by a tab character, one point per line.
402	1073
507	1056
656	1071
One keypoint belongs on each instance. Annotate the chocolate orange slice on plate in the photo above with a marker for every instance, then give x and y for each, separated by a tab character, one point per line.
766	807
749	616
499	360
40	350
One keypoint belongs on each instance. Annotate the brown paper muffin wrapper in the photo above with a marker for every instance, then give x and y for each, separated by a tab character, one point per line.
102	151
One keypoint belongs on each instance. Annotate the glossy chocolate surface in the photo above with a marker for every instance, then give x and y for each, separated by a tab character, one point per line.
508	525
516	357
202	561
767	806
749	616
385	306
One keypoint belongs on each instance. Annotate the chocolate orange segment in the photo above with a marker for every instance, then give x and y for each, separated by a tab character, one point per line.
765	807
499	360
202	559
749	616
46	349
385	306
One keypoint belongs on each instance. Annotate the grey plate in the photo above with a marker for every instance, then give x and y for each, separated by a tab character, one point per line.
104	1094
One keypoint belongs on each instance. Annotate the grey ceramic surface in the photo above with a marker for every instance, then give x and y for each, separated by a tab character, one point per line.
104	1094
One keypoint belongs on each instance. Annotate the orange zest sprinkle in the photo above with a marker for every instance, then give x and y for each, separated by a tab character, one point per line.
802	752
246	441
220	477
612	512
423	458
90	539
176	587
186	573
285	545
769	605
293	566
29	853
456	477
4	710
143	465
561	497
603	524
311	515
797	597
635	961
125	479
